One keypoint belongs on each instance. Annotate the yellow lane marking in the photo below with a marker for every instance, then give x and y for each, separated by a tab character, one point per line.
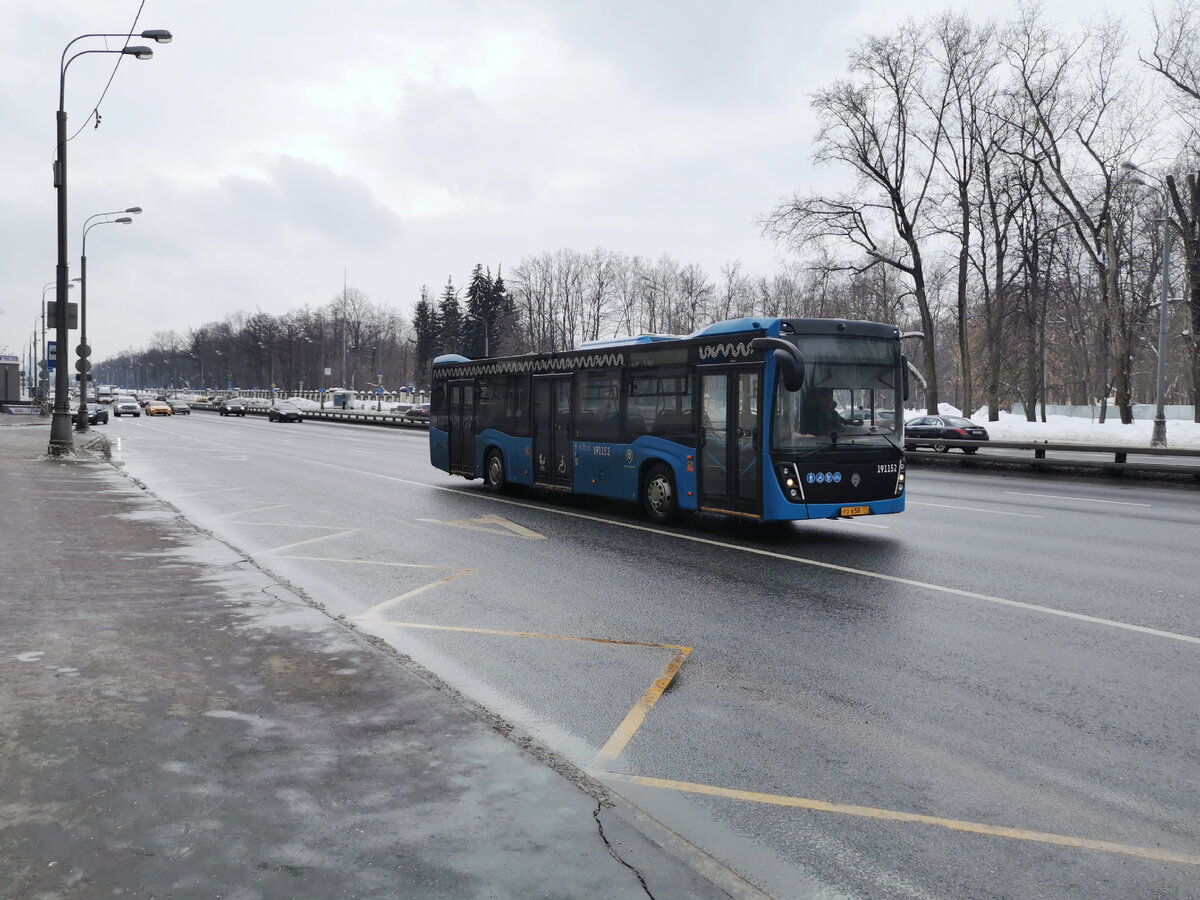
323	537
628	728
386	603
497	523
632	722
534	634
1019	834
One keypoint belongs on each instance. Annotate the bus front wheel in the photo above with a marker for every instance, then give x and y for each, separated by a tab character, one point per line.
493	472
659	498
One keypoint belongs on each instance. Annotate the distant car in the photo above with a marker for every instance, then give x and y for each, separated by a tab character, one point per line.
97	414
232	406
126	406
418	413
180	407
283	411
158	408
934	431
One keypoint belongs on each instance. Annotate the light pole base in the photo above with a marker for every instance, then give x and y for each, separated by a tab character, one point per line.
62	442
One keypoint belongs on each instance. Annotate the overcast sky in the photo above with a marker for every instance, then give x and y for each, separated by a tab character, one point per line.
278	148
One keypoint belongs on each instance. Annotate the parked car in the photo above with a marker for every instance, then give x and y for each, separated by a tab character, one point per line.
158	408
232	406
285	411
97	414
418	413
126	406
934	431
180	407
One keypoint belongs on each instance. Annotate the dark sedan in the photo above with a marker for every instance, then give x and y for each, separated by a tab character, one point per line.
97	414
934	431
418	413
283	411
232	407
180	407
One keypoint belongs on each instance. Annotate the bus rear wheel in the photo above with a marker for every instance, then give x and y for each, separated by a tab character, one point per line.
493	472
659	498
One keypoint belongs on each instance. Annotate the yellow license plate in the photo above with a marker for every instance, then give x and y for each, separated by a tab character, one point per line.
855	511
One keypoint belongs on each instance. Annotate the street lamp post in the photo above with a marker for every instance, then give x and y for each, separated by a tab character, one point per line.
43	381
61	441
482	322
85	352
1158	435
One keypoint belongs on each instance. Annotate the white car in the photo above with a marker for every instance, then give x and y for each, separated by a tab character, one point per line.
126	406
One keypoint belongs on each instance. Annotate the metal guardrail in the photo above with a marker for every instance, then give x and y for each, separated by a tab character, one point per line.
353	416
1113	459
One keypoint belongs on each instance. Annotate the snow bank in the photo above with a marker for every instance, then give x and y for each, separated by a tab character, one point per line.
1067	429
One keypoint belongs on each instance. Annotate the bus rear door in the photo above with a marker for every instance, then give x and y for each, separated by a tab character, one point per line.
552	465
730	439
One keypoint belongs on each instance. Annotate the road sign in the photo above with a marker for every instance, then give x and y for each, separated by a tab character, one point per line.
72	313
51	355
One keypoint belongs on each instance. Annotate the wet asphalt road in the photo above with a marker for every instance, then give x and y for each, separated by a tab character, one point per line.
991	695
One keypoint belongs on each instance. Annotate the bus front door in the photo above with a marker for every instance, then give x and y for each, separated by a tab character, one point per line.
552	431
730	440
462	427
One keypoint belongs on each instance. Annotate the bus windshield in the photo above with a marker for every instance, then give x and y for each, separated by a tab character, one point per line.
849	395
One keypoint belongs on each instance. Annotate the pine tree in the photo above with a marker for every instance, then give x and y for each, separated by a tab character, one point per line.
479	327
425	324
450	320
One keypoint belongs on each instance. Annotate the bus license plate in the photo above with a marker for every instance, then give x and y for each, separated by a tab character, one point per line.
855	511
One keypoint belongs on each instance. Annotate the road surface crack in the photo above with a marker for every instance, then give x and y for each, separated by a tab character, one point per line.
613	853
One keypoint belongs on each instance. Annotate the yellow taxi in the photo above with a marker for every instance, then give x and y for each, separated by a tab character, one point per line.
158	408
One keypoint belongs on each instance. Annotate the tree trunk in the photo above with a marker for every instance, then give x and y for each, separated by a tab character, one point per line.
964	334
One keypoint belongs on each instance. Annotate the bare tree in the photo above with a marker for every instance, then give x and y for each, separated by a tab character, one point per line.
1085	122
881	125
964	58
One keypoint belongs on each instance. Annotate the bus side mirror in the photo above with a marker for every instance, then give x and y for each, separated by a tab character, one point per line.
904	369
787	359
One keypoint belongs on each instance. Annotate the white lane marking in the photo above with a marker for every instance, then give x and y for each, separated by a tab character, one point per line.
491	524
323	537
246	512
360	562
363	452
861	522
992	512
1078	499
386	604
210	491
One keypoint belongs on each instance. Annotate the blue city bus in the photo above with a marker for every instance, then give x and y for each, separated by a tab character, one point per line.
767	419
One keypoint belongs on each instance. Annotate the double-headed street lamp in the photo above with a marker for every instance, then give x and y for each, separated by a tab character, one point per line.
85	363
1158	435
61	441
